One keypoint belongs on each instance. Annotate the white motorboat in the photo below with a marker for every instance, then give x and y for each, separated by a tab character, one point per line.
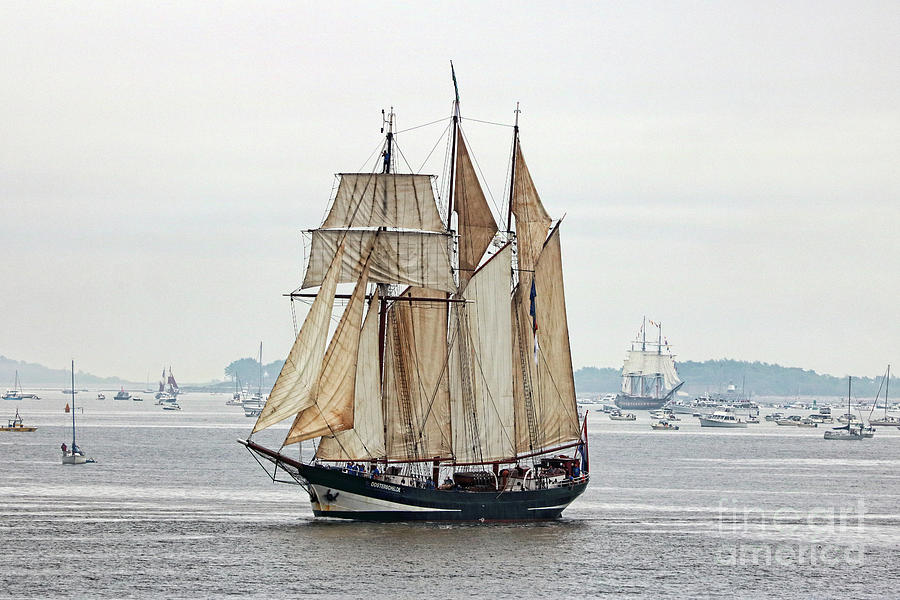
171	406
722	418
617	416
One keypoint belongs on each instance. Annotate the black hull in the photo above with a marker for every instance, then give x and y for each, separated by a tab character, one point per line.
639	402
336	493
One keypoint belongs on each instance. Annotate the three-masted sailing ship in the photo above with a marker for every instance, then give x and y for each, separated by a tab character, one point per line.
446	391
649	377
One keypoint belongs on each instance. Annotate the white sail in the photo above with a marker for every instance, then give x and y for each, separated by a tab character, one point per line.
475	221
416	395
332	408
481	406
384	200
366	440
294	387
649	363
397	257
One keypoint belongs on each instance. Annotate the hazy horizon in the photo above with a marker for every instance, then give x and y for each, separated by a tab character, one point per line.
729	170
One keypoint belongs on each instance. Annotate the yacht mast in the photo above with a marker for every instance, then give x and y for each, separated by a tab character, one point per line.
73	408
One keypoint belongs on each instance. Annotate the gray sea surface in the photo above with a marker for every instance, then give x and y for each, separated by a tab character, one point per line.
175	508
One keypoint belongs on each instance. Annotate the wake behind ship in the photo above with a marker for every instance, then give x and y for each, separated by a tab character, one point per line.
446	391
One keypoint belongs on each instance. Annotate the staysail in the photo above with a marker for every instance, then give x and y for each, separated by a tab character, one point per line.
332	408
293	390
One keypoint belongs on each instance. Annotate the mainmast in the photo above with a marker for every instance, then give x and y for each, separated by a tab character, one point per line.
453	134
512	175
388	152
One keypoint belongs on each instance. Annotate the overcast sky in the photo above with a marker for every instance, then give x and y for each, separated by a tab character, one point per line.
729	169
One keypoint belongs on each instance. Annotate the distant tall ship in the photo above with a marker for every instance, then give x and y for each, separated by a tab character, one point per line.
168	388
452	397
649	378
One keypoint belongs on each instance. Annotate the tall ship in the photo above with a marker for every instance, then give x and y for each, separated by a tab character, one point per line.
649	377
446	392
168	387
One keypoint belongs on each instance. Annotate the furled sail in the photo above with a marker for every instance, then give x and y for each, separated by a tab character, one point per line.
384	200
416	395
294	387
545	408
399	257
481	406
332	408
532	220
476	223
366	440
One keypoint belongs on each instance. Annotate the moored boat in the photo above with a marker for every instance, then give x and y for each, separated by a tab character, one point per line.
618	416
722	418
663	426
122	395
17	425
452	398
850	431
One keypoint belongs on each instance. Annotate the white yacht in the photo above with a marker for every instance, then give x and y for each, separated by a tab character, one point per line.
722	418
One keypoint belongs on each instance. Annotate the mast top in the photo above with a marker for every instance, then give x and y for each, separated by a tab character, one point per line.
387	153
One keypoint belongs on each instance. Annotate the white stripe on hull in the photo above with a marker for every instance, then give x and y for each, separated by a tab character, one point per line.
330	499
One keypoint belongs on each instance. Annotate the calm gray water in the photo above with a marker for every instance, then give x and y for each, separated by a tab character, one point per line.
175	508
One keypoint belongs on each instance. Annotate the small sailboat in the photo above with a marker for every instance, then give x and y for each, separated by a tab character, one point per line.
850	431
73	455
16	424
886	420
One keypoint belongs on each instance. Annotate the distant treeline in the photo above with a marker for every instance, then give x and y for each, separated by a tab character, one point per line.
756	378
246	372
34	374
